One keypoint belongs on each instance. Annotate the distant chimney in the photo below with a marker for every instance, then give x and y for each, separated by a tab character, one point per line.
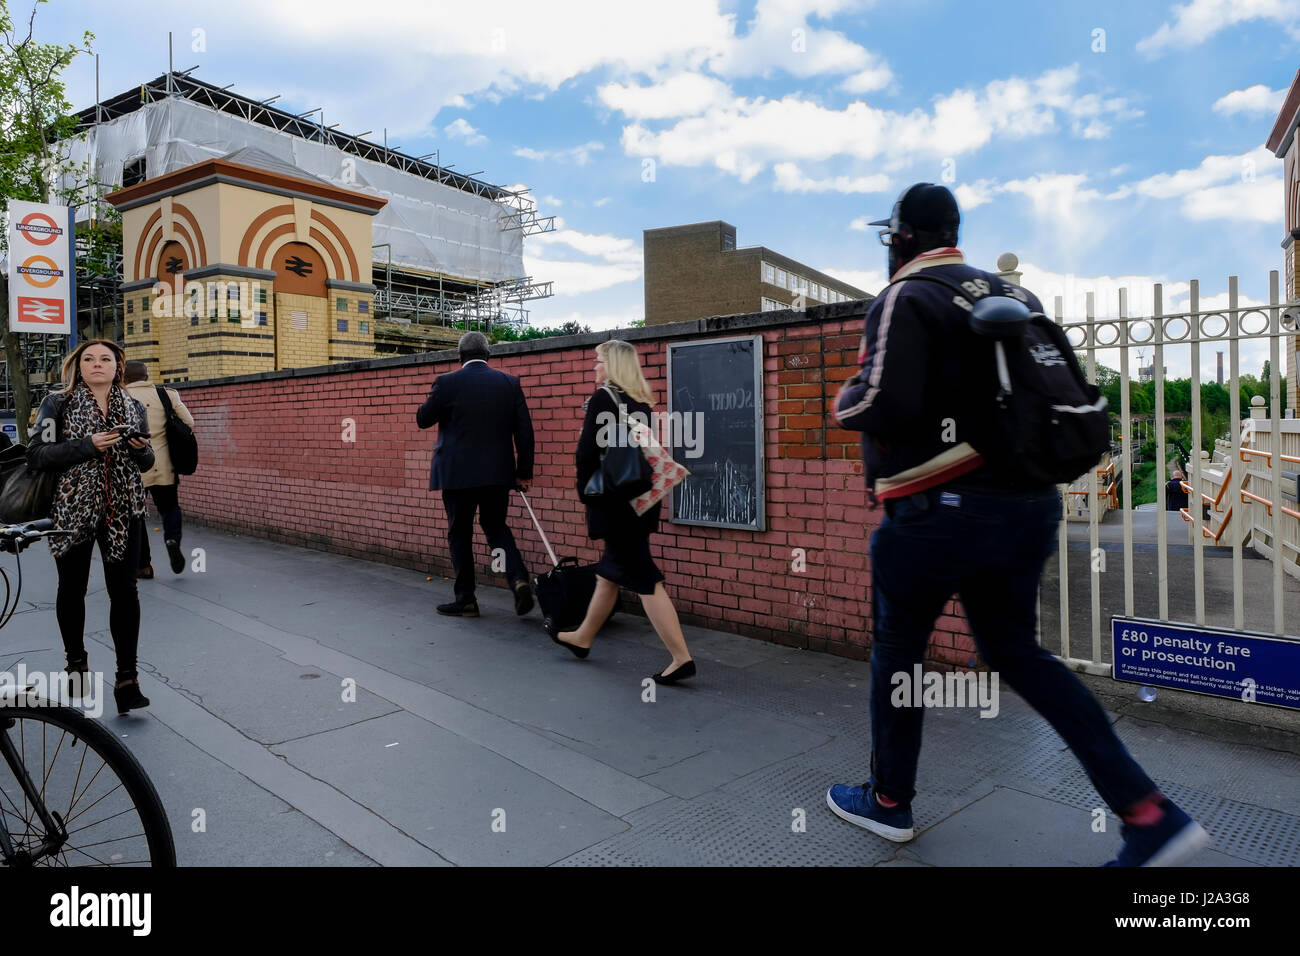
1220	356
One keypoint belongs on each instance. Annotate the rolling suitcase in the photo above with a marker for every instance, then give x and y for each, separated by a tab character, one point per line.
565	591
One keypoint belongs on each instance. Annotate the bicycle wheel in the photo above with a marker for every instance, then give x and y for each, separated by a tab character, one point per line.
101	807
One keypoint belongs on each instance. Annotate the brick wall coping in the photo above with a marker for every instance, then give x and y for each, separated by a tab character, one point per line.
749	322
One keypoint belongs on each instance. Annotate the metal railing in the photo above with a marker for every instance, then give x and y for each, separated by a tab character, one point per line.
1194	328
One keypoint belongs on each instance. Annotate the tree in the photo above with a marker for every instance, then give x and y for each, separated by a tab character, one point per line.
34	115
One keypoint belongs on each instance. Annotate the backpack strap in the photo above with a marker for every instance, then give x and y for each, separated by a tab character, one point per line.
166	400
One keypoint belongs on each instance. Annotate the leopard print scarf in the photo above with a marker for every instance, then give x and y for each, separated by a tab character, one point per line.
107	489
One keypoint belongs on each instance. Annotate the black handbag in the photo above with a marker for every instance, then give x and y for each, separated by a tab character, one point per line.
624	472
182	446
28	495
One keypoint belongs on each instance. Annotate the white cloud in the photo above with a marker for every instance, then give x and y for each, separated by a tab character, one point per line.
602	201
1198	20
579	155
972	195
606	247
780	37
550	201
684	94
616	260
1257	99
861	224
868	280
745	135
1056	197
460	129
1222	187
574	278
790	180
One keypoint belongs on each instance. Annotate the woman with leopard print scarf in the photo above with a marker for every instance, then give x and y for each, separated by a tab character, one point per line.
95	436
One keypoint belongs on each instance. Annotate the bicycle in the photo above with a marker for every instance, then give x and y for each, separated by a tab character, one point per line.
88	802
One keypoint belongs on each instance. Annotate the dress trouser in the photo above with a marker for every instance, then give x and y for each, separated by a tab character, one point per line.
990	550
491	503
167	500
124	600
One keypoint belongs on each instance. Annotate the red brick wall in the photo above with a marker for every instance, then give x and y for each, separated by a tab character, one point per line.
274	464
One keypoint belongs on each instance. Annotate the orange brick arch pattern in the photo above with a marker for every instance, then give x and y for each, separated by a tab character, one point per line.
330	237
148	258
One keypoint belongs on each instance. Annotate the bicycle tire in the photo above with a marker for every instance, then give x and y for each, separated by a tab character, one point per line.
99	740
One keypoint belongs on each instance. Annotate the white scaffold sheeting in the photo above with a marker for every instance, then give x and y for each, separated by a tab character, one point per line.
432	227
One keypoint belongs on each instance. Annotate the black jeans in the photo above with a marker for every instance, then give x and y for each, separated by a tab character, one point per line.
990	550
491	504
167	501
124	600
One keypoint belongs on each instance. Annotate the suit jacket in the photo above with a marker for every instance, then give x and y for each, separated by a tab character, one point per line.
483	421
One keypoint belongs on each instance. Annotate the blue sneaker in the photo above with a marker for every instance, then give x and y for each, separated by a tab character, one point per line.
1168	843
858	805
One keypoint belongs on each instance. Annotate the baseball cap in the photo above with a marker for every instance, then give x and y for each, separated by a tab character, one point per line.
924	206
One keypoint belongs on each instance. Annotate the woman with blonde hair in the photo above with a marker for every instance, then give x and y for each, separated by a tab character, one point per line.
96	438
621	391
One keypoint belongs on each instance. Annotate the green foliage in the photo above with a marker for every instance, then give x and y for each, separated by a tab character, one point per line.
510	333
34	109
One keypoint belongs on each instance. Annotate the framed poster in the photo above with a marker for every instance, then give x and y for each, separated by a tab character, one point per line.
715	405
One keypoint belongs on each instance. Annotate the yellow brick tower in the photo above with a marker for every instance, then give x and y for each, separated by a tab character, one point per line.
231	269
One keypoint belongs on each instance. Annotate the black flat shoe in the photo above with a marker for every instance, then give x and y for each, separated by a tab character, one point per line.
683	672
553	633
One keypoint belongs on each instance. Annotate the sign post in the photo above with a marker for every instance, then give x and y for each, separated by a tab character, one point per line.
42	258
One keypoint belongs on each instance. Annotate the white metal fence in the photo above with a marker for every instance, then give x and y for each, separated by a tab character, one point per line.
1243	488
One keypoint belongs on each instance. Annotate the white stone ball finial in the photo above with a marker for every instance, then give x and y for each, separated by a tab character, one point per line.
1008	261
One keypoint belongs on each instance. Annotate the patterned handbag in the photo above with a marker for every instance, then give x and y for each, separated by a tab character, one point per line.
666	474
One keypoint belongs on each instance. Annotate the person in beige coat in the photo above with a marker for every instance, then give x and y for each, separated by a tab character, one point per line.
160	481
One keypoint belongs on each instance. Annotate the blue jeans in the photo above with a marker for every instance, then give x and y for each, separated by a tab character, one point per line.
989	549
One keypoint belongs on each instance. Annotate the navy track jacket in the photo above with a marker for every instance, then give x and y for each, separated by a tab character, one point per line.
925	396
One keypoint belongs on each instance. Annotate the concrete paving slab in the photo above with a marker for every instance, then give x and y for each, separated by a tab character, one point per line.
450	794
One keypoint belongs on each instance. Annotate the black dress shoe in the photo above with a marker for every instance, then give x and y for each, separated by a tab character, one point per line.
683	672
553	632
176	556
523	598
459	609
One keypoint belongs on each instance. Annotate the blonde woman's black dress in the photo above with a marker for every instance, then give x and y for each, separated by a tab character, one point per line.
626	560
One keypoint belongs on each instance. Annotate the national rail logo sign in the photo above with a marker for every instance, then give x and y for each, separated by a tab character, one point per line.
42	293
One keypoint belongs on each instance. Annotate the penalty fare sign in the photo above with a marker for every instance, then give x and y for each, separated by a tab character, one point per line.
1245	666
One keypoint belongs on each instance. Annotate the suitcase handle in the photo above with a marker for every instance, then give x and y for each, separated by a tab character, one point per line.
538	525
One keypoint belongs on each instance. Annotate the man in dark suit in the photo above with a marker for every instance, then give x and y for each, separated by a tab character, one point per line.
479	412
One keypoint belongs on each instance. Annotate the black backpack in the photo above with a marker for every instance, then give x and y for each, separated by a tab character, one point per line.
1053	423
182	446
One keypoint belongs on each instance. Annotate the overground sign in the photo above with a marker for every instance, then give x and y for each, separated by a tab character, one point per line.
41	256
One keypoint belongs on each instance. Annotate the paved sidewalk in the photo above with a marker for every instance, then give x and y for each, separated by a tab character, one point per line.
479	742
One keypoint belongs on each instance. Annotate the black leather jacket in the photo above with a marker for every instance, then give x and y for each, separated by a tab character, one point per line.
61	454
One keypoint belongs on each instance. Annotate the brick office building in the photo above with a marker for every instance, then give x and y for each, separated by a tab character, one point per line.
697	270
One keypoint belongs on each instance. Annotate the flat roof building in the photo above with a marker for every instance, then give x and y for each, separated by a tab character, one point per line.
695	271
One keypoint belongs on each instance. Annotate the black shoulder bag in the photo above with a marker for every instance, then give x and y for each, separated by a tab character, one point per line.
182	446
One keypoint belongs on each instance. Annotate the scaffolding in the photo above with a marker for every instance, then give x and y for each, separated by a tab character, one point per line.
448	260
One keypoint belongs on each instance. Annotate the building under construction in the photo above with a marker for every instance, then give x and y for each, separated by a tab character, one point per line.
447	246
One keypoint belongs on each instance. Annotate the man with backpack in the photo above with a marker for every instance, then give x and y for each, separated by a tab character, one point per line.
966	434
160	481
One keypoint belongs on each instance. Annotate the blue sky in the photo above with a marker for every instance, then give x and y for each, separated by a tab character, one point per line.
1103	142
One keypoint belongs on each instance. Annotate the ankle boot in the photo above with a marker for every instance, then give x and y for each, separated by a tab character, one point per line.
126	693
